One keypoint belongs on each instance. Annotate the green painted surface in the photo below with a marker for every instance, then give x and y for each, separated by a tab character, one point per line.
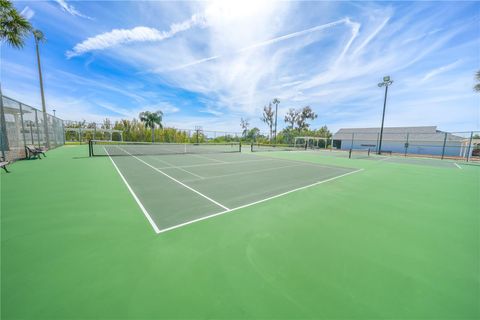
393	241
223	182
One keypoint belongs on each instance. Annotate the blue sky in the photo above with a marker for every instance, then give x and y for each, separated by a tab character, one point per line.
210	63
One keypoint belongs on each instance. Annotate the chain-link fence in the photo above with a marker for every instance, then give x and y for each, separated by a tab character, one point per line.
82	131
22	125
421	142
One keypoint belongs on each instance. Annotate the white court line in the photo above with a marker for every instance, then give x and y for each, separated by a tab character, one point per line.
177	181
254	171
257	202
211	159
145	212
457	165
218	164
386	158
172	166
301	161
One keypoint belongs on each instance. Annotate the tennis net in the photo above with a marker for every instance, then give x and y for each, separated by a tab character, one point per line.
359	153
126	148
259	147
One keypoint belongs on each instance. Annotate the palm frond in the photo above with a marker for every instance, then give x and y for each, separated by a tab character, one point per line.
14	27
39	36
150	119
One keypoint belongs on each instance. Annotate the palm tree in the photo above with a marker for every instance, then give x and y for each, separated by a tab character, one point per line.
477	86
151	119
40	37
14	28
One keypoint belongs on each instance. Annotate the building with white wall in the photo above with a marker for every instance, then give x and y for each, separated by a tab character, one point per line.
412	140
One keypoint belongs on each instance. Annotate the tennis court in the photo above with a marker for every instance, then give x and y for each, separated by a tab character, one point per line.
305	235
366	154
178	184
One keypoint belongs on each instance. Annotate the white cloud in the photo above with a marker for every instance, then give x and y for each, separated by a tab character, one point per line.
266	42
71	9
138	34
211	110
165	107
371	36
440	70
27	13
242	54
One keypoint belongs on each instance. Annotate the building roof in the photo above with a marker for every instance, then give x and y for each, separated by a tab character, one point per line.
424	129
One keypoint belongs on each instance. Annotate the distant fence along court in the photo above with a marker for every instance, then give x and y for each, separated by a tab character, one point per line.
411	141
22	125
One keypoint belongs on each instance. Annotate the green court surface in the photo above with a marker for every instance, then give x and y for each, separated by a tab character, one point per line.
253	235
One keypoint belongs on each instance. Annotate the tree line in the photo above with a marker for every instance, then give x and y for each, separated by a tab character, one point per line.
297	120
144	131
149	127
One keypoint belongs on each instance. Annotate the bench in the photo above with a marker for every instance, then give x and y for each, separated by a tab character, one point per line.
34	152
3	165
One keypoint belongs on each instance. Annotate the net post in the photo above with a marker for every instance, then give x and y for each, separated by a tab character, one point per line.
240	147
407	144
444	142
368	152
349	153
90	148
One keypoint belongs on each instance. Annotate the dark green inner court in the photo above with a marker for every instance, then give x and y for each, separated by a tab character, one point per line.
395	240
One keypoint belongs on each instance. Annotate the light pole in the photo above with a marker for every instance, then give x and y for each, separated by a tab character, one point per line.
386	82
39	37
276	102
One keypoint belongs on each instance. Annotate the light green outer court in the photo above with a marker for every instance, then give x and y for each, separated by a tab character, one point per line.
396	241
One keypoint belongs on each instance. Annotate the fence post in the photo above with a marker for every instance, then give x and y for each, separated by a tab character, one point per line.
444	142
469	146
353	138
30	124
38	128
3	128
64	133
23	126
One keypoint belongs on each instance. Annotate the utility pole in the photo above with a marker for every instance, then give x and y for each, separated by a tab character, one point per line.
38	36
